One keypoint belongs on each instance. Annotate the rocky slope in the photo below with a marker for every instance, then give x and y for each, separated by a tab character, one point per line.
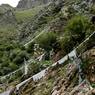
52	16
40	22
66	77
26	4
7	18
7	15
5	7
58	83
47	30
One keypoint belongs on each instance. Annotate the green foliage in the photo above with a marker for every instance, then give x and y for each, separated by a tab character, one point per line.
24	15
15	77
92	9
93	85
46	40
76	30
77	24
13	66
11	52
77	27
88	44
11	57
85	65
66	43
34	68
30	48
45	64
19	59
7	33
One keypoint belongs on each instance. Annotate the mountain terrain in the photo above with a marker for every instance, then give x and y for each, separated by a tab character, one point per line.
47	47
26	4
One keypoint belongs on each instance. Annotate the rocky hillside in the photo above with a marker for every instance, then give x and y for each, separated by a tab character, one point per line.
66	77
6	15
5	7
47	48
27	4
57	83
40	21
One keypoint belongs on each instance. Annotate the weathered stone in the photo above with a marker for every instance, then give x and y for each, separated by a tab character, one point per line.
26	4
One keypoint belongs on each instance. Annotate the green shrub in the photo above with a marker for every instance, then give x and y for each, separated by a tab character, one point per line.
46	40
13	66
93	85
34	68
66	43
9	47
5	70
85	65
19	59
92	9
77	27
24	15
30	48
46	63
12	55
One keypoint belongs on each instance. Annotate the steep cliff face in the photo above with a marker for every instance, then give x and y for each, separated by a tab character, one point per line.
26	4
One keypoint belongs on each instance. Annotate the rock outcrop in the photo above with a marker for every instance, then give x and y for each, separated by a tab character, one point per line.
7	18
26	4
5	7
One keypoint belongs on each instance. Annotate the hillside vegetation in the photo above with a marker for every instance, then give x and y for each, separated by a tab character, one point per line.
26	15
34	37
